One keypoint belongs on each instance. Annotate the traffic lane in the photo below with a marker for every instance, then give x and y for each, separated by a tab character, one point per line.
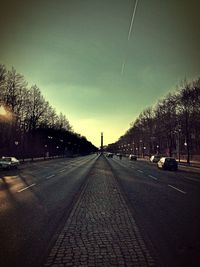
29	174
180	180
167	217
27	198
19	181
33	216
42	167
194	171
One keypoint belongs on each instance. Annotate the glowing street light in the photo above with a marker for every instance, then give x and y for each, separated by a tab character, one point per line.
2	111
5	114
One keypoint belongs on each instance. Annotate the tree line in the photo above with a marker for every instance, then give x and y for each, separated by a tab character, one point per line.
30	126
171	127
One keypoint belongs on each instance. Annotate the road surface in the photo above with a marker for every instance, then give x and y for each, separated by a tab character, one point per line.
41	199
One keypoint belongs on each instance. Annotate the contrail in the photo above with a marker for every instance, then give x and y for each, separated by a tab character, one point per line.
130	30
132	19
123	65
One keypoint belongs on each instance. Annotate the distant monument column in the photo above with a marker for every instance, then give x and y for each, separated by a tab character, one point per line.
101	142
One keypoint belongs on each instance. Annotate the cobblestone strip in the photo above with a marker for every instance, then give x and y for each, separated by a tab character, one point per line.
100	230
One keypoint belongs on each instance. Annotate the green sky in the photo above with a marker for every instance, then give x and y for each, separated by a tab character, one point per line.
74	49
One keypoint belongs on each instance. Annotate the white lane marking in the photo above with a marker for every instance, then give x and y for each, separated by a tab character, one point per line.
140	171
62	170
192	167
179	190
192	179
25	188
153	177
50	176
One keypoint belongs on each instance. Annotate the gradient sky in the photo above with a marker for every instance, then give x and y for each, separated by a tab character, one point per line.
73	51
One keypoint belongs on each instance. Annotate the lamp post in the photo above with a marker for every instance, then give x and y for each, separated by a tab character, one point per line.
157	152
51	145
144	151
137	154
133	147
16	144
179	154
46	153
141	148
177	133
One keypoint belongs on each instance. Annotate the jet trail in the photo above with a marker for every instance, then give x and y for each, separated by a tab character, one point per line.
132	19
123	65
130	30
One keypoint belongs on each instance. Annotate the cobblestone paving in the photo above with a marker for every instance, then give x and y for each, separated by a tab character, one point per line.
100	230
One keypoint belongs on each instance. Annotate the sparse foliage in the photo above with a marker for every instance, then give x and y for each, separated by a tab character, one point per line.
30	126
171	128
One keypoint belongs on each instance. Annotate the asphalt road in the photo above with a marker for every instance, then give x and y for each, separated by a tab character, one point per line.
165	205
36	200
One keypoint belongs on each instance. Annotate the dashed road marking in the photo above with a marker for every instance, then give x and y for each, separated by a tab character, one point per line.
62	170
25	188
50	176
192	179
192	167
140	171
153	177
179	190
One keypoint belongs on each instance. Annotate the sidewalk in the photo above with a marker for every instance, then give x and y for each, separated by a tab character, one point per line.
100	230
193	163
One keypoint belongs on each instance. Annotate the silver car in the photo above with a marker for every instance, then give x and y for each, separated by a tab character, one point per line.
9	162
155	158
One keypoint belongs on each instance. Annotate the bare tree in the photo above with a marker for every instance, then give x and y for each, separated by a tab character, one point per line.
189	113
63	123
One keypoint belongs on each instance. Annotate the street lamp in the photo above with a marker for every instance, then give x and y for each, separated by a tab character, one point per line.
136	151
144	150
178	131
2	111
16	143
157	148
141	148
46	153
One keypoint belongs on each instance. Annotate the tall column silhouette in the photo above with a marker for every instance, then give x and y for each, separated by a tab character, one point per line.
101	142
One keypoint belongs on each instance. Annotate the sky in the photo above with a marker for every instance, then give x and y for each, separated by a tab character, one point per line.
73	50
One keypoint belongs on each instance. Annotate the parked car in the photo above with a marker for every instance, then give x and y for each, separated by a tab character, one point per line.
9	162
119	155
168	163
132	157
155	158
109	155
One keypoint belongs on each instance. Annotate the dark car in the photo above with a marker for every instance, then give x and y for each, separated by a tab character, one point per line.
119	155
109	155
168	163
132	157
